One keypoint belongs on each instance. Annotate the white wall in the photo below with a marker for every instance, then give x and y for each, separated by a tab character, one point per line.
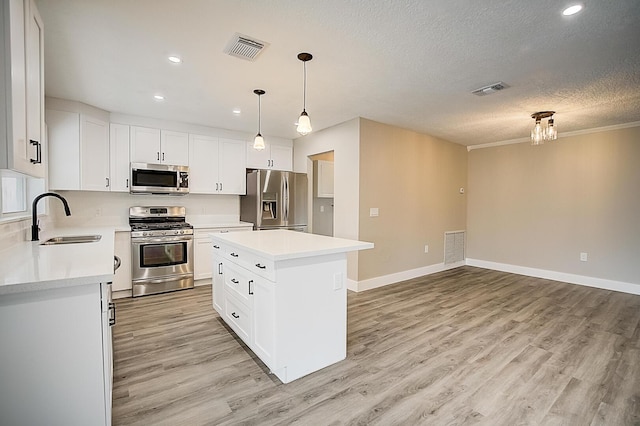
344	140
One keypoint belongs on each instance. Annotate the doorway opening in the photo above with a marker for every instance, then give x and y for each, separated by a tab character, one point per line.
322	205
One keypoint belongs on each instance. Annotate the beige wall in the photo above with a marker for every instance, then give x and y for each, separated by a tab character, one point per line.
414	181
540	207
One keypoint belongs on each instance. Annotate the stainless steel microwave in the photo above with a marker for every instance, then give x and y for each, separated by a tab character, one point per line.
159	179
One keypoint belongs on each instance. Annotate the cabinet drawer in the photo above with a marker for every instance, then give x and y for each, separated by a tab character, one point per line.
238	316
253	263
237	282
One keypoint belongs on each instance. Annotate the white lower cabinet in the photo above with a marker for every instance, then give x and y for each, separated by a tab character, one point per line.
291	313
56	360
122	279
202	249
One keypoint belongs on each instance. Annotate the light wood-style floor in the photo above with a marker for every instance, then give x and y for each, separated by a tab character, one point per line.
465	346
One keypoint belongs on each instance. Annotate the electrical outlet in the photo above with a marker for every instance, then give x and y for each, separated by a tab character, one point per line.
321	209
98	212
426	248
584	257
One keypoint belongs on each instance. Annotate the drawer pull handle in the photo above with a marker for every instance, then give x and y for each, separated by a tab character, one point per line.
233	280
250	291
219	268
234	255
216	247
112	314
260	266
233	314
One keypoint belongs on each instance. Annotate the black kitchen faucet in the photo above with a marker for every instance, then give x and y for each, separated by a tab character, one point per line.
35	230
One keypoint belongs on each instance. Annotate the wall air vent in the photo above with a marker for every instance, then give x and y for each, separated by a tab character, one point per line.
454	247
245	47
492	88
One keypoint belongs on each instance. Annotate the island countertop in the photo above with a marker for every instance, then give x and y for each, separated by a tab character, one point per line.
30	266
279	245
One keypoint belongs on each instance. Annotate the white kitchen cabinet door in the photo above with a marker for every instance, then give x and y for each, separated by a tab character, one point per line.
273	156
281	157
264	323
325	179
122	249
203	164
145	145
202	266
94	154
22	44
119	157
217	282
35	86
64	149
174	148
232	167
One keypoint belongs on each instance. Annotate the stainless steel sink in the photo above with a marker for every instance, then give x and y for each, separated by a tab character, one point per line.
72	239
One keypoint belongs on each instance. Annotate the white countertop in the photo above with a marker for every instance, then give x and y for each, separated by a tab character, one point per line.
29	266
216	225
283	245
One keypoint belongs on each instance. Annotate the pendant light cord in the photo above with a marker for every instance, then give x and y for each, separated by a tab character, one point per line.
259	111
304	87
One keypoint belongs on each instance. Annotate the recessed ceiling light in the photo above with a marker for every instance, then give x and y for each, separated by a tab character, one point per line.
572	10
158	97
236	111
174	59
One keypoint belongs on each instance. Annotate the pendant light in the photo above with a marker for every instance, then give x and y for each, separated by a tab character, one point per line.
258	142
540	132
304	124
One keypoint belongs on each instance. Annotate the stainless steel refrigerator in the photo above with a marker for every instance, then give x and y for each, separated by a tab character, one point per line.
275	200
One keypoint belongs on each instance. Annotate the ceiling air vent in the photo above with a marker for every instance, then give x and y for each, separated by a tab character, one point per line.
492	88
245	47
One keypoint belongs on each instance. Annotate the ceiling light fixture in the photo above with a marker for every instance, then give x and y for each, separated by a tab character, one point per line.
158	97
304	123
572	10
236	111
258	142
540	132
174	59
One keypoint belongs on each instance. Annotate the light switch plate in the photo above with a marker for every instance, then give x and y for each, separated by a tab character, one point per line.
373	212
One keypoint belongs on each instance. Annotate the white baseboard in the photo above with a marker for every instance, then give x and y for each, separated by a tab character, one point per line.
558	276
376	282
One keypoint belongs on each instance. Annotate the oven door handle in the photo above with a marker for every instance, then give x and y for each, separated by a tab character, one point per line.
170	239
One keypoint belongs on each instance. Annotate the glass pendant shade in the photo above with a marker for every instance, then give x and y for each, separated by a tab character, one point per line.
258	142
304	124
551	132
537	134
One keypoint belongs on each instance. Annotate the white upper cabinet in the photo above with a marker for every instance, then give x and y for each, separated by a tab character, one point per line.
119	157
324	185
157	146
216	165
94	154
273	156
22	48
79	148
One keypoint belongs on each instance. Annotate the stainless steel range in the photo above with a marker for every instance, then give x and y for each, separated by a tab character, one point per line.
162	250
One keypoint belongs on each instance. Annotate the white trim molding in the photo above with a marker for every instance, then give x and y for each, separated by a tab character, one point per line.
558	276
397	277
564	135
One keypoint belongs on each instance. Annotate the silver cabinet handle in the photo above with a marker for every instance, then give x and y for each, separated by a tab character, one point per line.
236	316
38	146
112	313
127	183
233	254
220	186
219	268
216	247
260	266
107	182
250	291
233	280
158	155
116	263
163	156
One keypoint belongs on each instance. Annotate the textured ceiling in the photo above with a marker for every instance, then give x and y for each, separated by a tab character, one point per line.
409	63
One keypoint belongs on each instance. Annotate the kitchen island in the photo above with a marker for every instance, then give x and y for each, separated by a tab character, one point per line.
55	330
284	294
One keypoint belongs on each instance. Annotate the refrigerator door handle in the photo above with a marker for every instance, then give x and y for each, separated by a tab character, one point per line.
286	194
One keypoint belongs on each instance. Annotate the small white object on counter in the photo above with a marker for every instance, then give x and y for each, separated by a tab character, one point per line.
31	266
